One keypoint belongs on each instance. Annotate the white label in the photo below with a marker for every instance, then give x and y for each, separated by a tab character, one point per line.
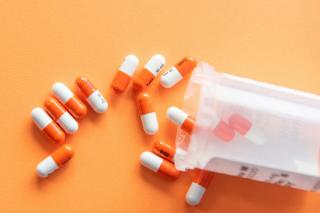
273	176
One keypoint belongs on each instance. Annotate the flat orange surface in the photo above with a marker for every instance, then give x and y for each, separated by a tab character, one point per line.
46	41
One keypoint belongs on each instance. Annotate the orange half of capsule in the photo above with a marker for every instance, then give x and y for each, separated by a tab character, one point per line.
120	82
164	150
203	177
144	103
142	79
63	154
168	168
54	108
186	65
188	125
53	131
85	86
76	107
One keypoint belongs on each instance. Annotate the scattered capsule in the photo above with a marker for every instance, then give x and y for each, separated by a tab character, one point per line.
61	116
198	187
47	125
245	128
181	118
164	150
93	96
69	100
125	72
177	72
157	164
147	113
53	162
149	72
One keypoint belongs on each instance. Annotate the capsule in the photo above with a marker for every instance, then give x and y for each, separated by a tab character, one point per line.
93	96
61	116
220	128
69	100
145	76
158	165
164	150
180	118
177	72
54	161
147	113
124	74
47	125
245	128
198	187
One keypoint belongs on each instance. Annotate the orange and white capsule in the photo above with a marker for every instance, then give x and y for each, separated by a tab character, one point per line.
157	164
61	116
220	128
245	128
47	125
145	76
164	150
54	161
177	72
93	96
125	72
147	113
181	118
198	187
69	100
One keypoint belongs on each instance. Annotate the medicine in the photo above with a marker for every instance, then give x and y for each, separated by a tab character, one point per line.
124	74
164	150
93	96
177	72
144	78
147	113
199	185
221	129
55	161
47	125
69	100
61	116
180	118
245	128
157	164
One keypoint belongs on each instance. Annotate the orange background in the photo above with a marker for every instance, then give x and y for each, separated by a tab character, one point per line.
46	41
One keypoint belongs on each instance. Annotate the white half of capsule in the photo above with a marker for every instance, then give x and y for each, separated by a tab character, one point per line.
176	115
150	123
151	161
62	92
46	167
68	123
155	64
170	77
255	136
195	194
97	102
40	117
129	65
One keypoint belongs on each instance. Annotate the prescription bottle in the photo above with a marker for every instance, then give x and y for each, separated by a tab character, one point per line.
276	130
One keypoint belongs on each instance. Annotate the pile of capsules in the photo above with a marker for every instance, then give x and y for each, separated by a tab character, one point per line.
59	117
65	106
